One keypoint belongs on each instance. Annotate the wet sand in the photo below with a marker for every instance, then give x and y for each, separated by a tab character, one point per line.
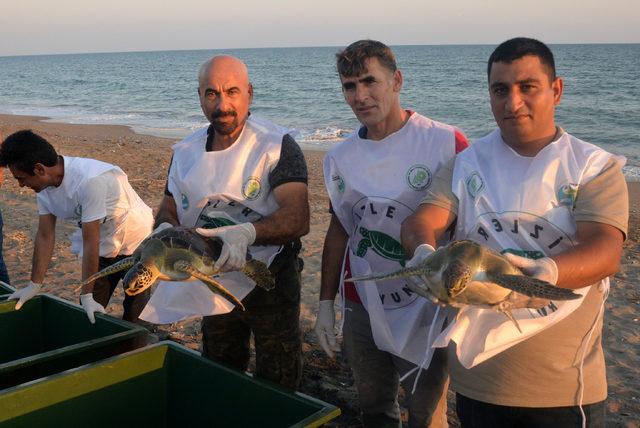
145	159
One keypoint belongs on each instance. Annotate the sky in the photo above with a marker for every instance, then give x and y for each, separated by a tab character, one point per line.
29	27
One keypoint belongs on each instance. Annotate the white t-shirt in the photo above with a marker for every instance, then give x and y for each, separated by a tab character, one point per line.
92	190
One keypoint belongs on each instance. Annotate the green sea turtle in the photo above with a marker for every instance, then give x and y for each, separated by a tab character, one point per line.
466	273
177	254
383	244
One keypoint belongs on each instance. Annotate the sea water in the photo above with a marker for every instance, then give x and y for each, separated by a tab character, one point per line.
156	92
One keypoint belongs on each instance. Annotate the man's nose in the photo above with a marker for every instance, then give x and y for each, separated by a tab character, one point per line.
360	94
514	101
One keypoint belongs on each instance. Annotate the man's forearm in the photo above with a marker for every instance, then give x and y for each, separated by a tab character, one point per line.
42	251
90	253
167	212
335	244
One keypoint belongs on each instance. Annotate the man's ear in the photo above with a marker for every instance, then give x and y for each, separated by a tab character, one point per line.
397	80
39	169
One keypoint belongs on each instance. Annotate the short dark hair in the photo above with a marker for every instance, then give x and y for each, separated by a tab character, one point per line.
519	47
24	149
352	60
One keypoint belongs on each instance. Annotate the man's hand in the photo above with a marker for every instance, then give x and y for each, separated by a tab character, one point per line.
236	240
25	293
90	306
324	328
544	268
420	254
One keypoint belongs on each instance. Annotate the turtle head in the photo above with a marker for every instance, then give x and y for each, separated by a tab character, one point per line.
139	278
455	277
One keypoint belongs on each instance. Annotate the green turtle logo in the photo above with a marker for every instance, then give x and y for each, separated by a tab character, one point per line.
567	194
419	177
382	244
185	202
214	222
529	254
475	184
251	188
339	182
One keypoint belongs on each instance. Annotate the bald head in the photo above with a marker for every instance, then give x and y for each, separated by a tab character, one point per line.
223	64
225	94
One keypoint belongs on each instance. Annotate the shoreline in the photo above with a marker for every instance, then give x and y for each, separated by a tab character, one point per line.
145	159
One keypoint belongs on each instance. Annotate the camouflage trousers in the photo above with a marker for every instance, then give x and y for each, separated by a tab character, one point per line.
104	287
273	318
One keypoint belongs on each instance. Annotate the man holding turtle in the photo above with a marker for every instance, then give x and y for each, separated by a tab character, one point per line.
244	180
375	179
530	189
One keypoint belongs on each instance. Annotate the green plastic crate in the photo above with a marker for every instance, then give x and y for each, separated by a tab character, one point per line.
162	385
49	335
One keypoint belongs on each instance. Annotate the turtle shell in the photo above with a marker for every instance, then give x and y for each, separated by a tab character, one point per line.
184	238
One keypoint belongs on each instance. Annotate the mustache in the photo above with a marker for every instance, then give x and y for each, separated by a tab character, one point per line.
221	113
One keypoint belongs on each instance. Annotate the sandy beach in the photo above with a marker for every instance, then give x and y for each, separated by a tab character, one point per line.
145	159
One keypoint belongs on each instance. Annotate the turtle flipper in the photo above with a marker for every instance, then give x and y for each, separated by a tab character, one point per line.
213	285
400	273
116	267
507	313
532	287
260	273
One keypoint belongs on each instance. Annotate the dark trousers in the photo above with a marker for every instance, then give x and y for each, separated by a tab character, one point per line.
4	275
104	287
274	319
478	414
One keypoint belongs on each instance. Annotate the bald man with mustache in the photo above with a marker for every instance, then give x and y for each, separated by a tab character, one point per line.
243	180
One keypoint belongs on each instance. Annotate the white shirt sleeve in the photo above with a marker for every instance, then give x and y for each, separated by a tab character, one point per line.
43	204
93	198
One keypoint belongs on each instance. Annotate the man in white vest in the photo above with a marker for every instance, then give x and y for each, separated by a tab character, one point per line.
375	179
244	181
530	189
95	195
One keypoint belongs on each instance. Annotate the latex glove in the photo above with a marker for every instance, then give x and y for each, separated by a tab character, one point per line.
90	306
161	227
421	252
25	293
545	268
236	239
324	328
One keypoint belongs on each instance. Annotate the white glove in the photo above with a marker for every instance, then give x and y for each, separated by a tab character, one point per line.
420	254
324	328
25	293
236	239
161	227
90	306
545	268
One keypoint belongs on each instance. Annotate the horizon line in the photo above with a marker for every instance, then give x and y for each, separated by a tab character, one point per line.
288	47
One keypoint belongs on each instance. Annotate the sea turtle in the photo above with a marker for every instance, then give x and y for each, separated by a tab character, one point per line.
383	244
466	273
177	254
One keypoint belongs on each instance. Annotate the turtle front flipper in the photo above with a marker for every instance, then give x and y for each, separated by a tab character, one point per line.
116	267
260	273
213	285
532	287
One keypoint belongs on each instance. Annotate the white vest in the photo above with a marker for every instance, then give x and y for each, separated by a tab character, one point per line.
124	227
373	187
213	189
522	205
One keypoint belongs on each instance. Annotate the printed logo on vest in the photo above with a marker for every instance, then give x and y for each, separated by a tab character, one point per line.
475	184
375	238
419	177
78	211
185	202
384	245
521	233
339	182
567	194
251	188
